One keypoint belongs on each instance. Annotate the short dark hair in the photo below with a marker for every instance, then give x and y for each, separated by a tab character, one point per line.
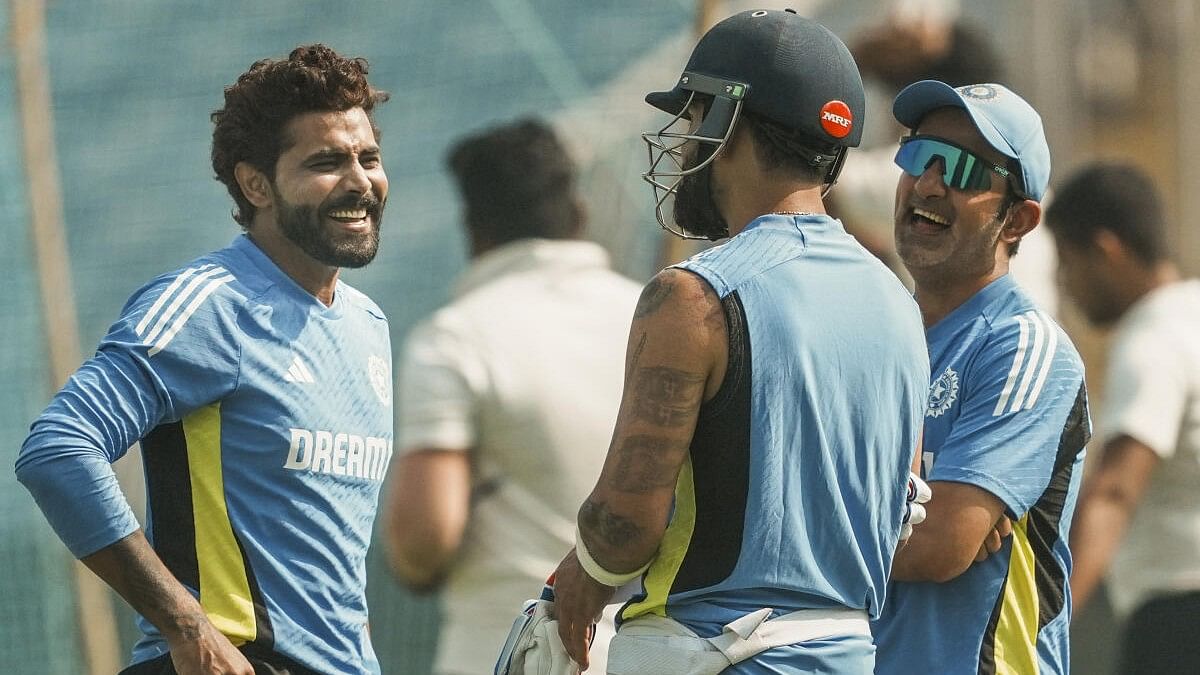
781	148
1116	197
517	181
969	59
258	107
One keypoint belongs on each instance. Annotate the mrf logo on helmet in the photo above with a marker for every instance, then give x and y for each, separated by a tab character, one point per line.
776	64
836	119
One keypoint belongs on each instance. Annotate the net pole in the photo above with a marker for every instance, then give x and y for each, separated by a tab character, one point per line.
97	622
674	249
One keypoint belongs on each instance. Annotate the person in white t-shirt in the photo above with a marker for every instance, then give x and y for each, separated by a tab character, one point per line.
507	396
1139	517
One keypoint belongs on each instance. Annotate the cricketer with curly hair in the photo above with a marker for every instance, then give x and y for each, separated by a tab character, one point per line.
259	387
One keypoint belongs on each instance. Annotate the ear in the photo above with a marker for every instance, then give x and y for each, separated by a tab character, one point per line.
1023	216
1109	245
255	185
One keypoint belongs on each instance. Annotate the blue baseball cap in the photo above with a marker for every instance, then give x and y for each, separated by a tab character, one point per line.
1006	121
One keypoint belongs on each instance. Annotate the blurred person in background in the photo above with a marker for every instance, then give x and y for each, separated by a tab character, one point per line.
1007	419
506	396
774	387
1139	513
259	387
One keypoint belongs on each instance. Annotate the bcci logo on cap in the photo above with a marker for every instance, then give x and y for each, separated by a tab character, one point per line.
980	92
836	119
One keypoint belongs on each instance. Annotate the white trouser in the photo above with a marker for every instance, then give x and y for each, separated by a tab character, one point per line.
657	644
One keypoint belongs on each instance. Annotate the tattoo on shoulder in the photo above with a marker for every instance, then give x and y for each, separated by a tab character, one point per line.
612	529
667	397
653	296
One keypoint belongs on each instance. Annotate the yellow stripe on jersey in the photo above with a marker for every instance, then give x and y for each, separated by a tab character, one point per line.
674	546
1017	628
224	584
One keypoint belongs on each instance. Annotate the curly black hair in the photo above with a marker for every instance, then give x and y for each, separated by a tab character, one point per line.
258	107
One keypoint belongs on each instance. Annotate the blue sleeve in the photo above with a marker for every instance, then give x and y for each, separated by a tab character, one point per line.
171	352
1019	390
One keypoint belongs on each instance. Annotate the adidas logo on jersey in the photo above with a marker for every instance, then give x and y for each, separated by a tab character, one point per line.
339	454
298	372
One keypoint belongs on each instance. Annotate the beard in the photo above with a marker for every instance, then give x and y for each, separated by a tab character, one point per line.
305	227
694	210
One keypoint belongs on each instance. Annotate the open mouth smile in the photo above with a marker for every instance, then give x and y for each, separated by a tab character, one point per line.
923	221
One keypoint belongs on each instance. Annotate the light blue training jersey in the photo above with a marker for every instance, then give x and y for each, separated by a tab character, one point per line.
265	422
1007	412
794	489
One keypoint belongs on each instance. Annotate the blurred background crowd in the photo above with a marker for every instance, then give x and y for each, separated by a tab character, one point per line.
104	111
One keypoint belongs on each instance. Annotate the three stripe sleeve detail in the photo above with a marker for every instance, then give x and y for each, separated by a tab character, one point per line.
171	310
1036	347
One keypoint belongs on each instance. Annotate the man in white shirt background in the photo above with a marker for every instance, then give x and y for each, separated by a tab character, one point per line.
1138	520
506	396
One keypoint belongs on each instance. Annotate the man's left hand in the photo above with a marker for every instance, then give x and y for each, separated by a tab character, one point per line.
995	539
578	602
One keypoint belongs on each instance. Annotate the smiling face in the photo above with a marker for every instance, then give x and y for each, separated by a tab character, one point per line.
330	188
945	234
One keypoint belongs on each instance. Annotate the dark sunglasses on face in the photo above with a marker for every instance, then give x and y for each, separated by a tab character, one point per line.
961	168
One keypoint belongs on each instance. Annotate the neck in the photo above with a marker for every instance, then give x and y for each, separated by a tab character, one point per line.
1148	280
753	201
315	277
937	298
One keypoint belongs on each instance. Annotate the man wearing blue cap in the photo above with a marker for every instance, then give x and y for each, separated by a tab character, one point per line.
1007	416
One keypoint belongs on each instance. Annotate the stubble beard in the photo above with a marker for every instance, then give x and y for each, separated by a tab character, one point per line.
964	261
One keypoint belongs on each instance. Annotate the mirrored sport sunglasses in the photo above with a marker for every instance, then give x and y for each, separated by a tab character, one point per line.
961	168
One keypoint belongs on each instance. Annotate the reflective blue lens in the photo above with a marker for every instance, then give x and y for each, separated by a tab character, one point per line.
961	168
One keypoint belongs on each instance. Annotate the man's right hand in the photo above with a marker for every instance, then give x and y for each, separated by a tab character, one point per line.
198	648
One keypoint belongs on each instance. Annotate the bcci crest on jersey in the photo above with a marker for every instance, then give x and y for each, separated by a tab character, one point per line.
381	379
942	393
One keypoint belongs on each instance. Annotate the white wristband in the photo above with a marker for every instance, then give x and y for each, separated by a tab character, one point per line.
597	572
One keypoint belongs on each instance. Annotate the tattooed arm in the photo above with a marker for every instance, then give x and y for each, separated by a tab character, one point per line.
676	360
